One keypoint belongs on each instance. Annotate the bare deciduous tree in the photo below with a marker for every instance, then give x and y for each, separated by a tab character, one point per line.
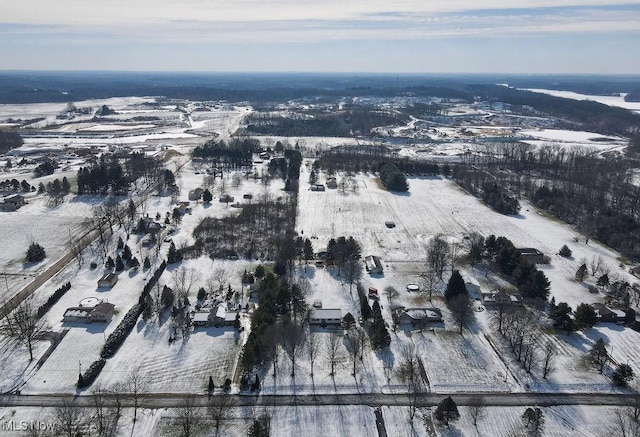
313	348
438	253
183	281
70	418
136	386
392	294
477	409
355	339
219	409
548	359
187	416
107	414
408	372
23	324
595	264
272	343
293	339
333	351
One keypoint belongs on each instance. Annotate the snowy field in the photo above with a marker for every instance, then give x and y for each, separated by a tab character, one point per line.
605	100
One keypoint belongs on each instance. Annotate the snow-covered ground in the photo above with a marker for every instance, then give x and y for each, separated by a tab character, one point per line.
344	420
605	100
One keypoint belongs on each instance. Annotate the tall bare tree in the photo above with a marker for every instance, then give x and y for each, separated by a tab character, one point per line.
70	418
438	253
477	409
408	371
548	359
219	409
23	324
136	386
355	340
184	280
333	351
106	414
313	348
293	339
187	416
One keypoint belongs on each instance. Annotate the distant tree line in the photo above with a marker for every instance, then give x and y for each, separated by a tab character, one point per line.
484	185
109	175
237	152
352	122
592	116
367	158
593	192
9	140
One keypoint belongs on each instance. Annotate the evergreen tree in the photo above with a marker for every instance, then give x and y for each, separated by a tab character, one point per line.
447	410
35	253
585	316
126	254
207	196
455	286
174	255
119	264
581	273
565	251
211	387
147	263
622	375
110	264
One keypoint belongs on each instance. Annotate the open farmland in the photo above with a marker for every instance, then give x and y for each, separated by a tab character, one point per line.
175	356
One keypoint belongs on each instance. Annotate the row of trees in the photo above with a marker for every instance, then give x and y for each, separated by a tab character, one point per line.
237	152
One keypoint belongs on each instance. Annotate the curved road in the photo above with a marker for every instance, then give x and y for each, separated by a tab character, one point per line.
168	400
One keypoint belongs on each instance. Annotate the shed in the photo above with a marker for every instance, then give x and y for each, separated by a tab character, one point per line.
373	264
108	280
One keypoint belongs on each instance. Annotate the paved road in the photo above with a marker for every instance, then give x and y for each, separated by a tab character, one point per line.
166	400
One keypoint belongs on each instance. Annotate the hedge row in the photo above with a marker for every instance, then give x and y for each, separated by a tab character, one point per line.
119	335
86	379
53	299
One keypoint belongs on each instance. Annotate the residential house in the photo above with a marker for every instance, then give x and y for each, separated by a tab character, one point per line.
416	317
325	317
530	255
493	299
12	202
217	316
605	314
102	312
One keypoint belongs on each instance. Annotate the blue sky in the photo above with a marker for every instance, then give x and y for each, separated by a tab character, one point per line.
417	36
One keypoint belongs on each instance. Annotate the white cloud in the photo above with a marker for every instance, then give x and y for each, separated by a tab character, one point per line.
129	12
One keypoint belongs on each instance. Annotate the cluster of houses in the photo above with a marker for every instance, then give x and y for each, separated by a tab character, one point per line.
331	183
12	203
